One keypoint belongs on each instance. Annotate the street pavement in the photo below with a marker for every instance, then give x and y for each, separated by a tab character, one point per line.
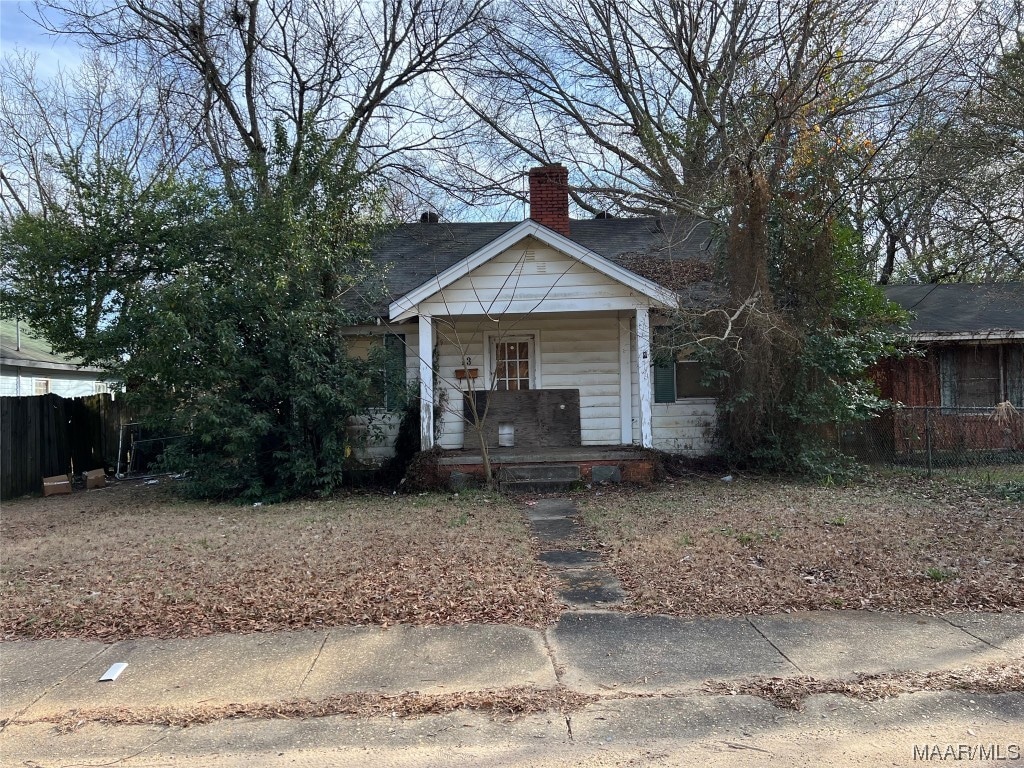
648	672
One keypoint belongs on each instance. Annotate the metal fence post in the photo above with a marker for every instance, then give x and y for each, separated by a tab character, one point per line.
928	439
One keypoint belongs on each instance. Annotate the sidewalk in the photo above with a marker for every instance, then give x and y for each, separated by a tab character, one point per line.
662	661
596	652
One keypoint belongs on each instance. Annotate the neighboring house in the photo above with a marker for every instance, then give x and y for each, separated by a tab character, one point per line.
548	324
972	339
28	367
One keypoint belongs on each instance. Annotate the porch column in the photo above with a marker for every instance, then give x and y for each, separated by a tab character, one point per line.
643	370
625	383
426	357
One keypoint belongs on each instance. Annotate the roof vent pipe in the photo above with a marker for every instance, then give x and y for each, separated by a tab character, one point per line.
429	217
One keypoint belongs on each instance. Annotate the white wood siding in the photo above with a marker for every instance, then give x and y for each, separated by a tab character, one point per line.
684	426
63	383
528	278
379	428
582	352
578	351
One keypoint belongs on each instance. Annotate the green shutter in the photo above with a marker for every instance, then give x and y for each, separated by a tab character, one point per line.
665	383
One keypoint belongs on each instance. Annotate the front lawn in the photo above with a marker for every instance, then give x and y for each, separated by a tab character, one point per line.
132	560
706	547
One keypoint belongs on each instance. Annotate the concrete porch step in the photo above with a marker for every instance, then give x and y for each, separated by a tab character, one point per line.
536	486
566	473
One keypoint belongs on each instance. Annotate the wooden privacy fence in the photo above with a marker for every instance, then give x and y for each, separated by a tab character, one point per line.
51	435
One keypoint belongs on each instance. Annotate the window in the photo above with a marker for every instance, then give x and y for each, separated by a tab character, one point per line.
512	363
100	388
680	380
42	386
982	375
389	390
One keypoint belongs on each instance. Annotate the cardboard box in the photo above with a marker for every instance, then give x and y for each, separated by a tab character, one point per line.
96	478
56	484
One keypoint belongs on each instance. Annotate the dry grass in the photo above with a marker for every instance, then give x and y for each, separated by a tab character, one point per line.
132	561
706	547
509	703
791	692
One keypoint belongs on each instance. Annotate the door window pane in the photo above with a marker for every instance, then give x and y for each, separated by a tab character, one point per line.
512	365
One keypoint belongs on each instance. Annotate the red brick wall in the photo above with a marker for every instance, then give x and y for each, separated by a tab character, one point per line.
549	197
913	381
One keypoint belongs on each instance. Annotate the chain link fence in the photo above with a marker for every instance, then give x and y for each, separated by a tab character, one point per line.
982	444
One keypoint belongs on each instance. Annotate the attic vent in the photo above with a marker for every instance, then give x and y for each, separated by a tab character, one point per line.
541	267
429	217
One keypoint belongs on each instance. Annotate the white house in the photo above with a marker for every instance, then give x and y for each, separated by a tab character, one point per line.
548	324
28	367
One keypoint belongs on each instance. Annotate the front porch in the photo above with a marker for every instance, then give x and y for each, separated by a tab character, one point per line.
552	469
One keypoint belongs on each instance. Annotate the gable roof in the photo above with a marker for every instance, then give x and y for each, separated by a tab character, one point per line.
962	310
403	306
412	254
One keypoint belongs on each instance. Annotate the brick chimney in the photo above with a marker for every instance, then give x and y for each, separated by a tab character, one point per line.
549	197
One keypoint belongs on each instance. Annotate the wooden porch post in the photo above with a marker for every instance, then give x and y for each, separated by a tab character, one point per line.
426	356
625	382
643	366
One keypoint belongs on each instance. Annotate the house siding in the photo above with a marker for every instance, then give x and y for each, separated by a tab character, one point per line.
63	383
530	278
685	426
916	384
578	351
375	432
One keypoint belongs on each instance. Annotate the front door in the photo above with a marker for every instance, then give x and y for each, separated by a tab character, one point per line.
514	363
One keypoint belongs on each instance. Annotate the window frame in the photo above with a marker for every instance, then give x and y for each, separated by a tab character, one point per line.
532	337
1009	387
392	394
665	369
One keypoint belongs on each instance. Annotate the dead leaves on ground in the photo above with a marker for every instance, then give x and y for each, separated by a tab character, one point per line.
135	564
790	692
707	548
508	702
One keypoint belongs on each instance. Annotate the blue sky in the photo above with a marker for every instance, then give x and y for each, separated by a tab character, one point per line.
19	30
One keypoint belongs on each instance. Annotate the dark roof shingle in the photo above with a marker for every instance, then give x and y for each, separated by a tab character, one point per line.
411	254
978	308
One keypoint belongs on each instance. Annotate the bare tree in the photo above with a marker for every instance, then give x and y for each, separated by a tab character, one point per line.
759	115
653	103
95	114
945	200
265	80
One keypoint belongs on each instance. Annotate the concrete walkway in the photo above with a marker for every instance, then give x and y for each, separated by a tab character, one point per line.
586	583
602	653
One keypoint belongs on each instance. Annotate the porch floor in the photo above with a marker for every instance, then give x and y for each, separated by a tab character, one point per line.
528	455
